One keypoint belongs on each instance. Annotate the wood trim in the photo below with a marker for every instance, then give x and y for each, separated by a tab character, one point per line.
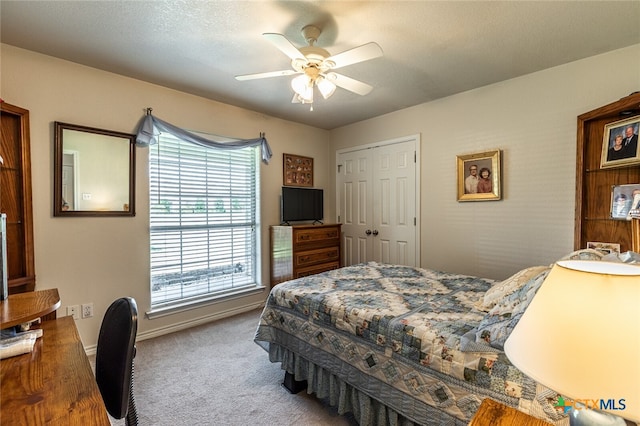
577	233
635	235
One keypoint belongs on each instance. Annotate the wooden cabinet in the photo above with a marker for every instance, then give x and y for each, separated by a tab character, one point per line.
593	184
301	250
15	197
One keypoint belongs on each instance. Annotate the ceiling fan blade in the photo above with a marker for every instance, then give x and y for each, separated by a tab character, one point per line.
349	83
357	54
285	46
265	75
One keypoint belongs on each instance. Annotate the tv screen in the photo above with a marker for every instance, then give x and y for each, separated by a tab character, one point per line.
302	204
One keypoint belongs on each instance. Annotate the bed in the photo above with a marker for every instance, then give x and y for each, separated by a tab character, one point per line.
398	345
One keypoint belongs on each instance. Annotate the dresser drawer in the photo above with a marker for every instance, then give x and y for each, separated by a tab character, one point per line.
312	270
320	235
311	257
302	250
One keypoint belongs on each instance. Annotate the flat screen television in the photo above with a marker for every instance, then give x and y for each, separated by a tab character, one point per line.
301	204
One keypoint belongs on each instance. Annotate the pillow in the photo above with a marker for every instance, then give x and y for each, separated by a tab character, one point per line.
504	288
584	254
497	325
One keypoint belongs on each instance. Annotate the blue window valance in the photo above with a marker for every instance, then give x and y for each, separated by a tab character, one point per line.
147	135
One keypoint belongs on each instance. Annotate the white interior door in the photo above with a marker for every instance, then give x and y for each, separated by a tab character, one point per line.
69	178
354	201
394	204
378	193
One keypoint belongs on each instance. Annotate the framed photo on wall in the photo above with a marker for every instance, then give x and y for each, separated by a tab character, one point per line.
297	170
620	144
479	176
622	199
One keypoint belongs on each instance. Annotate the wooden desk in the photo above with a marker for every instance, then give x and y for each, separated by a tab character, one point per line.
492	413
54	384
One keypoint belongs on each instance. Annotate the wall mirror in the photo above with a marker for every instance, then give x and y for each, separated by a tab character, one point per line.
94	172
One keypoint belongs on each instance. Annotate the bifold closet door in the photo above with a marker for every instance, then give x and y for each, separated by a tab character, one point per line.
377	204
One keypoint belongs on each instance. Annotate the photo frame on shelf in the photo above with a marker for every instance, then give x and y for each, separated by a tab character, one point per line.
634	211
479	176
297	170
604	248
622	197
620	144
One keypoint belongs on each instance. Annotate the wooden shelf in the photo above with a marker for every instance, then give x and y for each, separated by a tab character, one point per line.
15	197
593	184
24	307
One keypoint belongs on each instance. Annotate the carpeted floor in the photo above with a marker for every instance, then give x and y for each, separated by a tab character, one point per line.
216	375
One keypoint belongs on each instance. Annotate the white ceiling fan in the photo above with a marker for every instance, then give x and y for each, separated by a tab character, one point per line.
314	66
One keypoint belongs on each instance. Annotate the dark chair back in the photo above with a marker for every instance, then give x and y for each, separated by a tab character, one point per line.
114	358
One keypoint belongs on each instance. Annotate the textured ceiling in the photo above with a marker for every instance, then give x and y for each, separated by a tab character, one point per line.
432	49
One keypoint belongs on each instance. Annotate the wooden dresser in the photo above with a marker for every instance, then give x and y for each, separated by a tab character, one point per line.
301	250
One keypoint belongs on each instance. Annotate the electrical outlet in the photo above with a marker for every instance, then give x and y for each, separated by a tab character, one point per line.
74	311
87	310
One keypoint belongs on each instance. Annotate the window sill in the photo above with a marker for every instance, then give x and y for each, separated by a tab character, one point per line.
199	302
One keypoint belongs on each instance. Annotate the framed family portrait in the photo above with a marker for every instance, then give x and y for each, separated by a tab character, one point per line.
479	176
620	144
622	200
297	170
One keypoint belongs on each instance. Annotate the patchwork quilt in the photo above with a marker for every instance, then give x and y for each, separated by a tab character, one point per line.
397	334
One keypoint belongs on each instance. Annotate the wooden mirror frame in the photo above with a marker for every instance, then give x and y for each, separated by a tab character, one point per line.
128	209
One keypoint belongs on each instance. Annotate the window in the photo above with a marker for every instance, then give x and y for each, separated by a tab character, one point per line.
203	221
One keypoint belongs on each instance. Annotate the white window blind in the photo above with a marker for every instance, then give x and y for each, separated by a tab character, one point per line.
203	220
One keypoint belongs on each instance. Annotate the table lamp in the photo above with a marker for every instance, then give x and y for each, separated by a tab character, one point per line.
580	337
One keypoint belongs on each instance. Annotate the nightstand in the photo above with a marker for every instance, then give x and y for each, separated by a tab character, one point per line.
492	413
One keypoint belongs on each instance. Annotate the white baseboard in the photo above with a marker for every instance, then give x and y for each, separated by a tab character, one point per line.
172	328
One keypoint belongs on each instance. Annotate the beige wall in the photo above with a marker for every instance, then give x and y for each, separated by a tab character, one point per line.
533	120
100	259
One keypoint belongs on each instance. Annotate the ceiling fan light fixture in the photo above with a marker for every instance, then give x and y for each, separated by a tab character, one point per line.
313	66
302	85
307	98
325	87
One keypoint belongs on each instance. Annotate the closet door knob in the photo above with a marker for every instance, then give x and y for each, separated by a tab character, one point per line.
368	232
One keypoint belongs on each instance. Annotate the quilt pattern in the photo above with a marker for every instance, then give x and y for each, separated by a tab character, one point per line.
401	328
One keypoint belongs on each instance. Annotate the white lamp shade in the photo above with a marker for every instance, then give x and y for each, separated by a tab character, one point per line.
301	85
325	87
580	336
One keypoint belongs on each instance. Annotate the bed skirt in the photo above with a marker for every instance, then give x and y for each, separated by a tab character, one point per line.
367	410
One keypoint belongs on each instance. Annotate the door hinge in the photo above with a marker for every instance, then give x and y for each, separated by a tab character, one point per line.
339	165
415	156
414	221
